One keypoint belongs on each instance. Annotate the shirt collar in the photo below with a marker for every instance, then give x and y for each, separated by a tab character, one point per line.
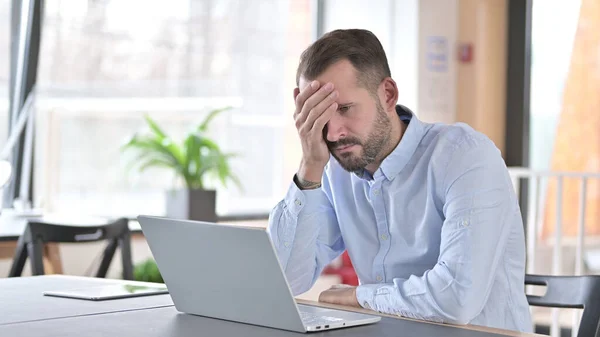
397	160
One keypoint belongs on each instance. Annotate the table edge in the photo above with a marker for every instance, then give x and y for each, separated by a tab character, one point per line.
465	327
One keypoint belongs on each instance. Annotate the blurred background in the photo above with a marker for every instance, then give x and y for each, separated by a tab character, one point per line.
103	73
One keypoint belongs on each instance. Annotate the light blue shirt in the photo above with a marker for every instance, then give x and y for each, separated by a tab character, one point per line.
435	234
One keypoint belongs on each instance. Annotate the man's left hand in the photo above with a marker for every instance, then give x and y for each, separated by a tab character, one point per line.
340	294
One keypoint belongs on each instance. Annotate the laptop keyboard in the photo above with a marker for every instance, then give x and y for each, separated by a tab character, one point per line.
312	319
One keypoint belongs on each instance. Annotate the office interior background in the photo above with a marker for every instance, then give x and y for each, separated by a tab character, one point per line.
526	73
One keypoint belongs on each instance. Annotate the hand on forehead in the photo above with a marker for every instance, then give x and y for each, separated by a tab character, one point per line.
341	74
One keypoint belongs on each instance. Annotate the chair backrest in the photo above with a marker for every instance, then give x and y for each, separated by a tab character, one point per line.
582	292
56	232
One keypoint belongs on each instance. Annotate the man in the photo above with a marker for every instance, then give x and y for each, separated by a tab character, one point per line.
426	212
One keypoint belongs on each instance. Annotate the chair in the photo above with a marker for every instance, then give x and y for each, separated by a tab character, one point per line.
579	292
37	233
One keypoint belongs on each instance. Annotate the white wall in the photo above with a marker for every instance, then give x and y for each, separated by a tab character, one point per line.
438	32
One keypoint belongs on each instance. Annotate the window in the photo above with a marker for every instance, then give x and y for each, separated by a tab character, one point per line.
551	53
104	64
396	25
564	116
4	68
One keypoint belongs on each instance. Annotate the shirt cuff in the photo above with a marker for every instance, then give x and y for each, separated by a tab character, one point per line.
310	201
365	295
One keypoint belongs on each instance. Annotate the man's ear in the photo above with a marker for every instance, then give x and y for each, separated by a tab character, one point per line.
390	93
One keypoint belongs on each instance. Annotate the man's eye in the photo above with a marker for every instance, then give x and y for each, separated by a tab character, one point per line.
344	109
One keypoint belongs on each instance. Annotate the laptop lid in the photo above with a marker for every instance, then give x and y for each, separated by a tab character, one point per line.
222	271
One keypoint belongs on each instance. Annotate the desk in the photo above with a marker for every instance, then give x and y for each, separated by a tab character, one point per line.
25	312
21	299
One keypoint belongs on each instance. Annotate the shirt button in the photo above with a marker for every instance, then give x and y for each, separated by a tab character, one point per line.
287	244
384	237
298	202
376	191
379	278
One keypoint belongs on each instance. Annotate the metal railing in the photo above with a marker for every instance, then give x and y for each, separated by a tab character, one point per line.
536	206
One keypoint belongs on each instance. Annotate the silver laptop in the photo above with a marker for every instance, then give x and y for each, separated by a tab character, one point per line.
232	273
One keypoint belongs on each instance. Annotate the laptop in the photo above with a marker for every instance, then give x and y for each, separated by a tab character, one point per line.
233	273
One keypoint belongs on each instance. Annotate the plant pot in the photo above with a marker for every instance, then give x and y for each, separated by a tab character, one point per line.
192	205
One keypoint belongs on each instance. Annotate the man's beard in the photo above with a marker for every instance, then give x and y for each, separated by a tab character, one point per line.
371	148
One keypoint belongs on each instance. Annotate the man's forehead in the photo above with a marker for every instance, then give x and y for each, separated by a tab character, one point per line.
342	74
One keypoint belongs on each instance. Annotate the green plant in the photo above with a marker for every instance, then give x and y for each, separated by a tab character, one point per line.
192	160
147	271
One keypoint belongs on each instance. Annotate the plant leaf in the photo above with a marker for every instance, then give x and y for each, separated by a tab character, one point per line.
192	159
166	148
152	152
154	127
202	156
141	157
196	157
154	162
160	137
204	125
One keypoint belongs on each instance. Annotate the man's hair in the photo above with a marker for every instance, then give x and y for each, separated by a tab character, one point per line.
359	46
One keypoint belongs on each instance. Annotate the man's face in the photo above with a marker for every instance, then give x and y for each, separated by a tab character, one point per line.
360	129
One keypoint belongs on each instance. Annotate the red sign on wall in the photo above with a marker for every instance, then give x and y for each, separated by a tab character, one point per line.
465	52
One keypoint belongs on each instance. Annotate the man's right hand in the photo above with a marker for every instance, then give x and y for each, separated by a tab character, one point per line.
315	106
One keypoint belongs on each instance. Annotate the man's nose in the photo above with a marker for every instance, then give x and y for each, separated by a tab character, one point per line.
335	128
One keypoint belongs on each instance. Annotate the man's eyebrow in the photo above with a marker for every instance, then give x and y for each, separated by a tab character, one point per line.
345	104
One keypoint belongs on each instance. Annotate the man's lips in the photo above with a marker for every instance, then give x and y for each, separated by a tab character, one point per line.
344	147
